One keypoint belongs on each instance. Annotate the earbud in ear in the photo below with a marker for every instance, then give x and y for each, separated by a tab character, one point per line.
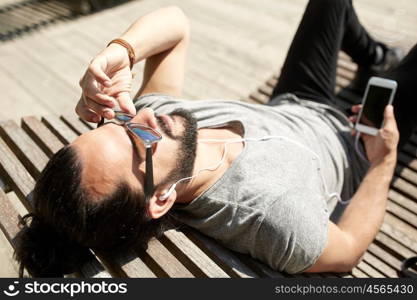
165	196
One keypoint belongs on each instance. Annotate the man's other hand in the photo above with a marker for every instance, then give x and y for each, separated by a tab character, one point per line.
105	85
383	147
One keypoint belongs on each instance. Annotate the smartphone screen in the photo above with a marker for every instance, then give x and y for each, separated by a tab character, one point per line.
373	111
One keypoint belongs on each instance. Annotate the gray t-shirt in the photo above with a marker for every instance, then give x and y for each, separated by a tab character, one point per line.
271	203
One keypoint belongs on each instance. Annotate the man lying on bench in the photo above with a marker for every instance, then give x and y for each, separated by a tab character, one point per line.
260	179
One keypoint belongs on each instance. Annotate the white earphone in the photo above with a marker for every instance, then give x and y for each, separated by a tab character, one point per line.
165	196
172	188
265	138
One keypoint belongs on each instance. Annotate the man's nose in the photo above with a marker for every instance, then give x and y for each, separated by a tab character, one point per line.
147	117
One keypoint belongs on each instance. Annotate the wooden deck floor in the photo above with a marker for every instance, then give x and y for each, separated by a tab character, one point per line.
236	45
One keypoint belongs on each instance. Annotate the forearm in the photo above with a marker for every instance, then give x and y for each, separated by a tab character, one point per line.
157	32
364	215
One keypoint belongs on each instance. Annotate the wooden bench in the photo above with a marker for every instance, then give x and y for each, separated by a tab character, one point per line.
183	252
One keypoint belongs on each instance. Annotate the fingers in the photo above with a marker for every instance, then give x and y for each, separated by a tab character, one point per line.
356	108
390	131
353	119
82	110
389	113
91	90
103	90
91	111
96	69
126	103
99	109
389	118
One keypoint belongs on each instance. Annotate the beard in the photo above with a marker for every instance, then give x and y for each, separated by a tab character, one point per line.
187	140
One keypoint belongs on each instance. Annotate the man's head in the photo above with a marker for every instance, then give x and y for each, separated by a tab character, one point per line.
111	155
124	156
91	192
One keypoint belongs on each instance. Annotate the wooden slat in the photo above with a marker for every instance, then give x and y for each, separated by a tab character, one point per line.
407	174
369	270
400	225
9	266
379	265
341	82
75	124
394	247
13	171
41	135
359	274
348	66
190	255
136	268
395	229
58	7
259	97
126	264
407	160
37	9
402	213
404	187
163	262
32	18
386	257
60	129
223	257
345	74
272	82
8	218
33	158
403	201
266	90
90	125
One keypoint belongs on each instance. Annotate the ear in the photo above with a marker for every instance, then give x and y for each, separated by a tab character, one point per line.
157	208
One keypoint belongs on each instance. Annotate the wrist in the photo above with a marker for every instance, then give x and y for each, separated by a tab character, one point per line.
122	45
389	160
385	167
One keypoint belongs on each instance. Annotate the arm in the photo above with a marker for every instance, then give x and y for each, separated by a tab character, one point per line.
161	38
349	239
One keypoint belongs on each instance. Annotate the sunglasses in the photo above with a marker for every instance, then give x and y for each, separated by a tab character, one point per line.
147	136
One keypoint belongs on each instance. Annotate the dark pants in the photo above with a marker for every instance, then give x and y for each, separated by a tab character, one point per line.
309	70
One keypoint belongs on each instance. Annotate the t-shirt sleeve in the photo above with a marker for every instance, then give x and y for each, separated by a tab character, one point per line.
152	100
293	233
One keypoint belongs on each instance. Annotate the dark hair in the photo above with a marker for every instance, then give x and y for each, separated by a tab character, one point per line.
66	222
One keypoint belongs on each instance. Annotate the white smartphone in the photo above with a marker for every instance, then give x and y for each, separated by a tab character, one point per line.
378	94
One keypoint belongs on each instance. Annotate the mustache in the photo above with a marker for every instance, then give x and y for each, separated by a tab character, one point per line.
180	112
